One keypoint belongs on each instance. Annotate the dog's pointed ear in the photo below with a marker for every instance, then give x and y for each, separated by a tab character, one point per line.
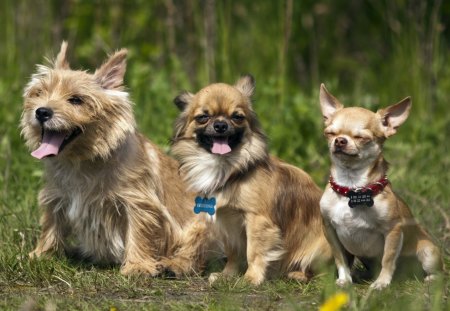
328	103
61	61
246	85
394	116
110	75
182	100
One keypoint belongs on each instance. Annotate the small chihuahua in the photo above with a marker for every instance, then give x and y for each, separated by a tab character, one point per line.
363	216
267	213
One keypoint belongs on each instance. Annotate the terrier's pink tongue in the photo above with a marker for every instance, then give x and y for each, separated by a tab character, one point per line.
220	146
50	144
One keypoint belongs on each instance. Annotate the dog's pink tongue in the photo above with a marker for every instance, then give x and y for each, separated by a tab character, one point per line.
50	144
220	146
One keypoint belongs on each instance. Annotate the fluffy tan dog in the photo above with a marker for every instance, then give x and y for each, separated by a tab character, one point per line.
266	212
109	193
363	216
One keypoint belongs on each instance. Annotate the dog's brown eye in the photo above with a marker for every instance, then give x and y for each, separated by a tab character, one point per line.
75	100
237	117
329	134
36	93
202	119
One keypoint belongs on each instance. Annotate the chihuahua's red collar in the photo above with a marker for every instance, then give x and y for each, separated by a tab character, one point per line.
375	188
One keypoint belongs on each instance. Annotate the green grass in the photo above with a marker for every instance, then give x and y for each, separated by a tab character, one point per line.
392	51
71	287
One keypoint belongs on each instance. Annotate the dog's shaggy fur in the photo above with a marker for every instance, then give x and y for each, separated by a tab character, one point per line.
268	216
109	193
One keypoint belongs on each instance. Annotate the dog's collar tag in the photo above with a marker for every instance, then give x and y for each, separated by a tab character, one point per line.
205	205
360	198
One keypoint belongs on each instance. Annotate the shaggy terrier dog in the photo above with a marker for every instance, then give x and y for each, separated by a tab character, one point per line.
110	194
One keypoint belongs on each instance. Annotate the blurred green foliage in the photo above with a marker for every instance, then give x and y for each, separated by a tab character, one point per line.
369	53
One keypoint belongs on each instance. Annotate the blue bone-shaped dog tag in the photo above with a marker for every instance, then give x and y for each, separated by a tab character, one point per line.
205	205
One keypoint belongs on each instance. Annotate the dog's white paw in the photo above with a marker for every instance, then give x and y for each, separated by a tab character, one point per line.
39	253
213	277
343	282
380	284
344	277
430	278
34	254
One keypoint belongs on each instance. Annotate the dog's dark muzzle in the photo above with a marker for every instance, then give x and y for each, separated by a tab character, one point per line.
205	138
221	127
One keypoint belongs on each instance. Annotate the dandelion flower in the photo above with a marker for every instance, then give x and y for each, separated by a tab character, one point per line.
335	302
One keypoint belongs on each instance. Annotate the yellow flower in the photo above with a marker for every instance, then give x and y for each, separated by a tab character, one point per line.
335	302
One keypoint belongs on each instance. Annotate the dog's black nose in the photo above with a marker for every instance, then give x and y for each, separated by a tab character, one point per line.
43	114
220	126
340	141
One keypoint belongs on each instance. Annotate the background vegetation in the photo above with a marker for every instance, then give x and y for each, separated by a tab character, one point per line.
369	53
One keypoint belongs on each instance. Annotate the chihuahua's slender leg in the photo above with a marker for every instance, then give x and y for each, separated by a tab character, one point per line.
264	245
234	255
344	275
430	258
231	267
392	247
234	260
234	245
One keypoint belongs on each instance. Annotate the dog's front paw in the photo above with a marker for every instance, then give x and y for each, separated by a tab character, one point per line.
298	276
380	284
146	268
430	278
253	278
228	272
214	277
343	282
178	266
36	254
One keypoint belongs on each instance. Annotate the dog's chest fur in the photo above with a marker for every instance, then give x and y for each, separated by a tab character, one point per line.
358	228
92	212
98	225
230	226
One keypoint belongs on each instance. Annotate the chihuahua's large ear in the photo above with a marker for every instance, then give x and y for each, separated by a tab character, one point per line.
61	61
246	85
110	75
394	116
182	100
328	103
